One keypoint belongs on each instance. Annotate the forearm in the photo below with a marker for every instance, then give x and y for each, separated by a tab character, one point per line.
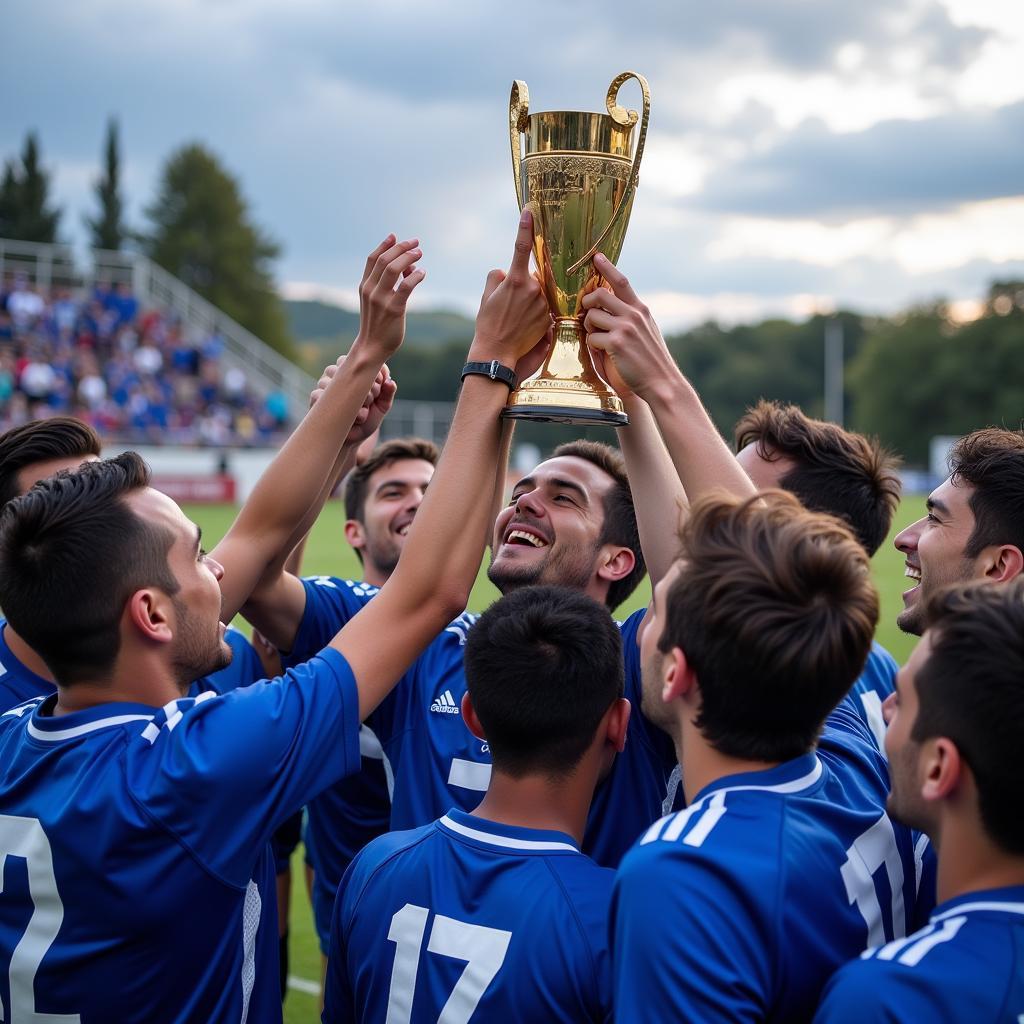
292	483
658	496
702	460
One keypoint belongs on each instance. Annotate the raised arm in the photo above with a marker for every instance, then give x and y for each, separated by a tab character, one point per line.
301	469
441	557
622	327
277	602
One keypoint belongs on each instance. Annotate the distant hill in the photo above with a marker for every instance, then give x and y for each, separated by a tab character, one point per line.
322	331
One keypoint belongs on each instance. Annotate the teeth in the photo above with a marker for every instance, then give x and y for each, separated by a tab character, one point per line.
403	530
913	574
530	538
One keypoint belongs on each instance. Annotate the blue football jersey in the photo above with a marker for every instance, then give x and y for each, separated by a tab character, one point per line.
470	920
137	880
967	964
740	907
18	683
873	686
436	762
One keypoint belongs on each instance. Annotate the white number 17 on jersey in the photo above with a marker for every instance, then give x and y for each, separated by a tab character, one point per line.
482	948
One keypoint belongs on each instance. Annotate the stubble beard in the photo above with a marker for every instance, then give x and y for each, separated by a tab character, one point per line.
197	653
566	567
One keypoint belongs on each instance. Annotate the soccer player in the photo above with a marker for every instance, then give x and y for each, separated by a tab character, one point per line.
831	470
33	452
784	864
495	914
955	727
381	497
134	822
974	528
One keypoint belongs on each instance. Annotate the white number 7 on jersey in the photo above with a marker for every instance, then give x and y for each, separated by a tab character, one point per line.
482	948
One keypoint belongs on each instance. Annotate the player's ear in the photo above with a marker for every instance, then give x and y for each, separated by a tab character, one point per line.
616	723
1006	564
943	769
679	679
616	564
150	612
354	534
469	717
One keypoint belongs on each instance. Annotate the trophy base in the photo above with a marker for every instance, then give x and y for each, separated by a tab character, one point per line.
565	414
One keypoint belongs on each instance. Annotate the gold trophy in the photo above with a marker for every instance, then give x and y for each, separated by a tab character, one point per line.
578	178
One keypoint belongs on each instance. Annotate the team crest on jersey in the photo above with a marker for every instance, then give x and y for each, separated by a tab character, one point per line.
445	704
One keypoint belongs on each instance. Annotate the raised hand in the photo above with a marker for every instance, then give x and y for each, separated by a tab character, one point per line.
622	332
382	304
375	407
513	312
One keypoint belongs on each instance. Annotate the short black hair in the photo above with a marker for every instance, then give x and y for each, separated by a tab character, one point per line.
971	690
60	437
775	611
620	525
992	462
834	470
71	555
543	666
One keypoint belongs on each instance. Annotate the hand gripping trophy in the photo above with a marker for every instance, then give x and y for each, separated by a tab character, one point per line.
577	176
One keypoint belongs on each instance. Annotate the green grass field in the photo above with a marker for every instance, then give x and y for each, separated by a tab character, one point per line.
327	553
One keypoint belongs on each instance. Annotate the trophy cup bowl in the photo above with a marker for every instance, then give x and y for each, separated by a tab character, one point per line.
576	174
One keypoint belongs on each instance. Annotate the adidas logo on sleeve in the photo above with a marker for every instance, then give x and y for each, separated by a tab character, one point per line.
445	704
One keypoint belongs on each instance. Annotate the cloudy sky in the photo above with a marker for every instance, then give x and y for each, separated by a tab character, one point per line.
802	153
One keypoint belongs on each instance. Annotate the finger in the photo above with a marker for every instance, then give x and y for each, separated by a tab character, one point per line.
618	280
599	320
520	268
372	258
389	254
331	370
602	298
600	340
494	278
405	289
397	267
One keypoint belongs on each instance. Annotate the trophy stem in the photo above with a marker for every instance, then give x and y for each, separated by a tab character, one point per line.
567	388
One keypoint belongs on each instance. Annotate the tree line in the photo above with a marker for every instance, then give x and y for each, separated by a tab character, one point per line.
907	377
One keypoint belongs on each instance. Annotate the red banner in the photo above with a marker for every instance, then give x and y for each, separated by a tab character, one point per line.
194	489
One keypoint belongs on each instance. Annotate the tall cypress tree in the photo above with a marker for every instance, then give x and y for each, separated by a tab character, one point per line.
25	211
108	229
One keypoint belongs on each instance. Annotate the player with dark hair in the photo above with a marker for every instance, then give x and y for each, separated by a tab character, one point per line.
496	911
121	801
784	864
831	470
33	452
974	528
955	727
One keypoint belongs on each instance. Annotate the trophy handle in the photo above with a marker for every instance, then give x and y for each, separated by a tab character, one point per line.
623	117
518	122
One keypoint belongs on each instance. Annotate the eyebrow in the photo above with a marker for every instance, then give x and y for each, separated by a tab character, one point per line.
199	537
559	483
933	504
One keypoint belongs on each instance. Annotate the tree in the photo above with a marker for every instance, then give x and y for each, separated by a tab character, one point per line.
202	233
25	212
108	229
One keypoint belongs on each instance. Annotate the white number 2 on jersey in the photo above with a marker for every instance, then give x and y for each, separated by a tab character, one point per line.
870	851
25	838
482	948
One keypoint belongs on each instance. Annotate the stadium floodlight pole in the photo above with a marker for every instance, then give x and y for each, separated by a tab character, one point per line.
834	370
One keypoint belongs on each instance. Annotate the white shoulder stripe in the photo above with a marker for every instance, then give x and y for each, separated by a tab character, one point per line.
81	730
707	821
966	908
506	841
916	952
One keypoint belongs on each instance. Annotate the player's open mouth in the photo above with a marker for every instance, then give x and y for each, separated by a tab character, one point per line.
912	572
528	538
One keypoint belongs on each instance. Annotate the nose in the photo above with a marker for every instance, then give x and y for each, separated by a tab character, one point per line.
906	540
215	567
529	501
415	499
888	708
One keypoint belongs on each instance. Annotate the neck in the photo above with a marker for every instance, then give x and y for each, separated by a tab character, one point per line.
25	654
970	862
701	765
557	805
374	576
140	680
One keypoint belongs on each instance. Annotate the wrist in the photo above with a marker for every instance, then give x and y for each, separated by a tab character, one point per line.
668	391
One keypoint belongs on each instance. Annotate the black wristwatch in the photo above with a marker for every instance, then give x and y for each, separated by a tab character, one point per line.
494	370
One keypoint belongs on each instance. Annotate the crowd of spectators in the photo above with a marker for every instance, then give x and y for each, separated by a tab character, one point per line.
134	374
